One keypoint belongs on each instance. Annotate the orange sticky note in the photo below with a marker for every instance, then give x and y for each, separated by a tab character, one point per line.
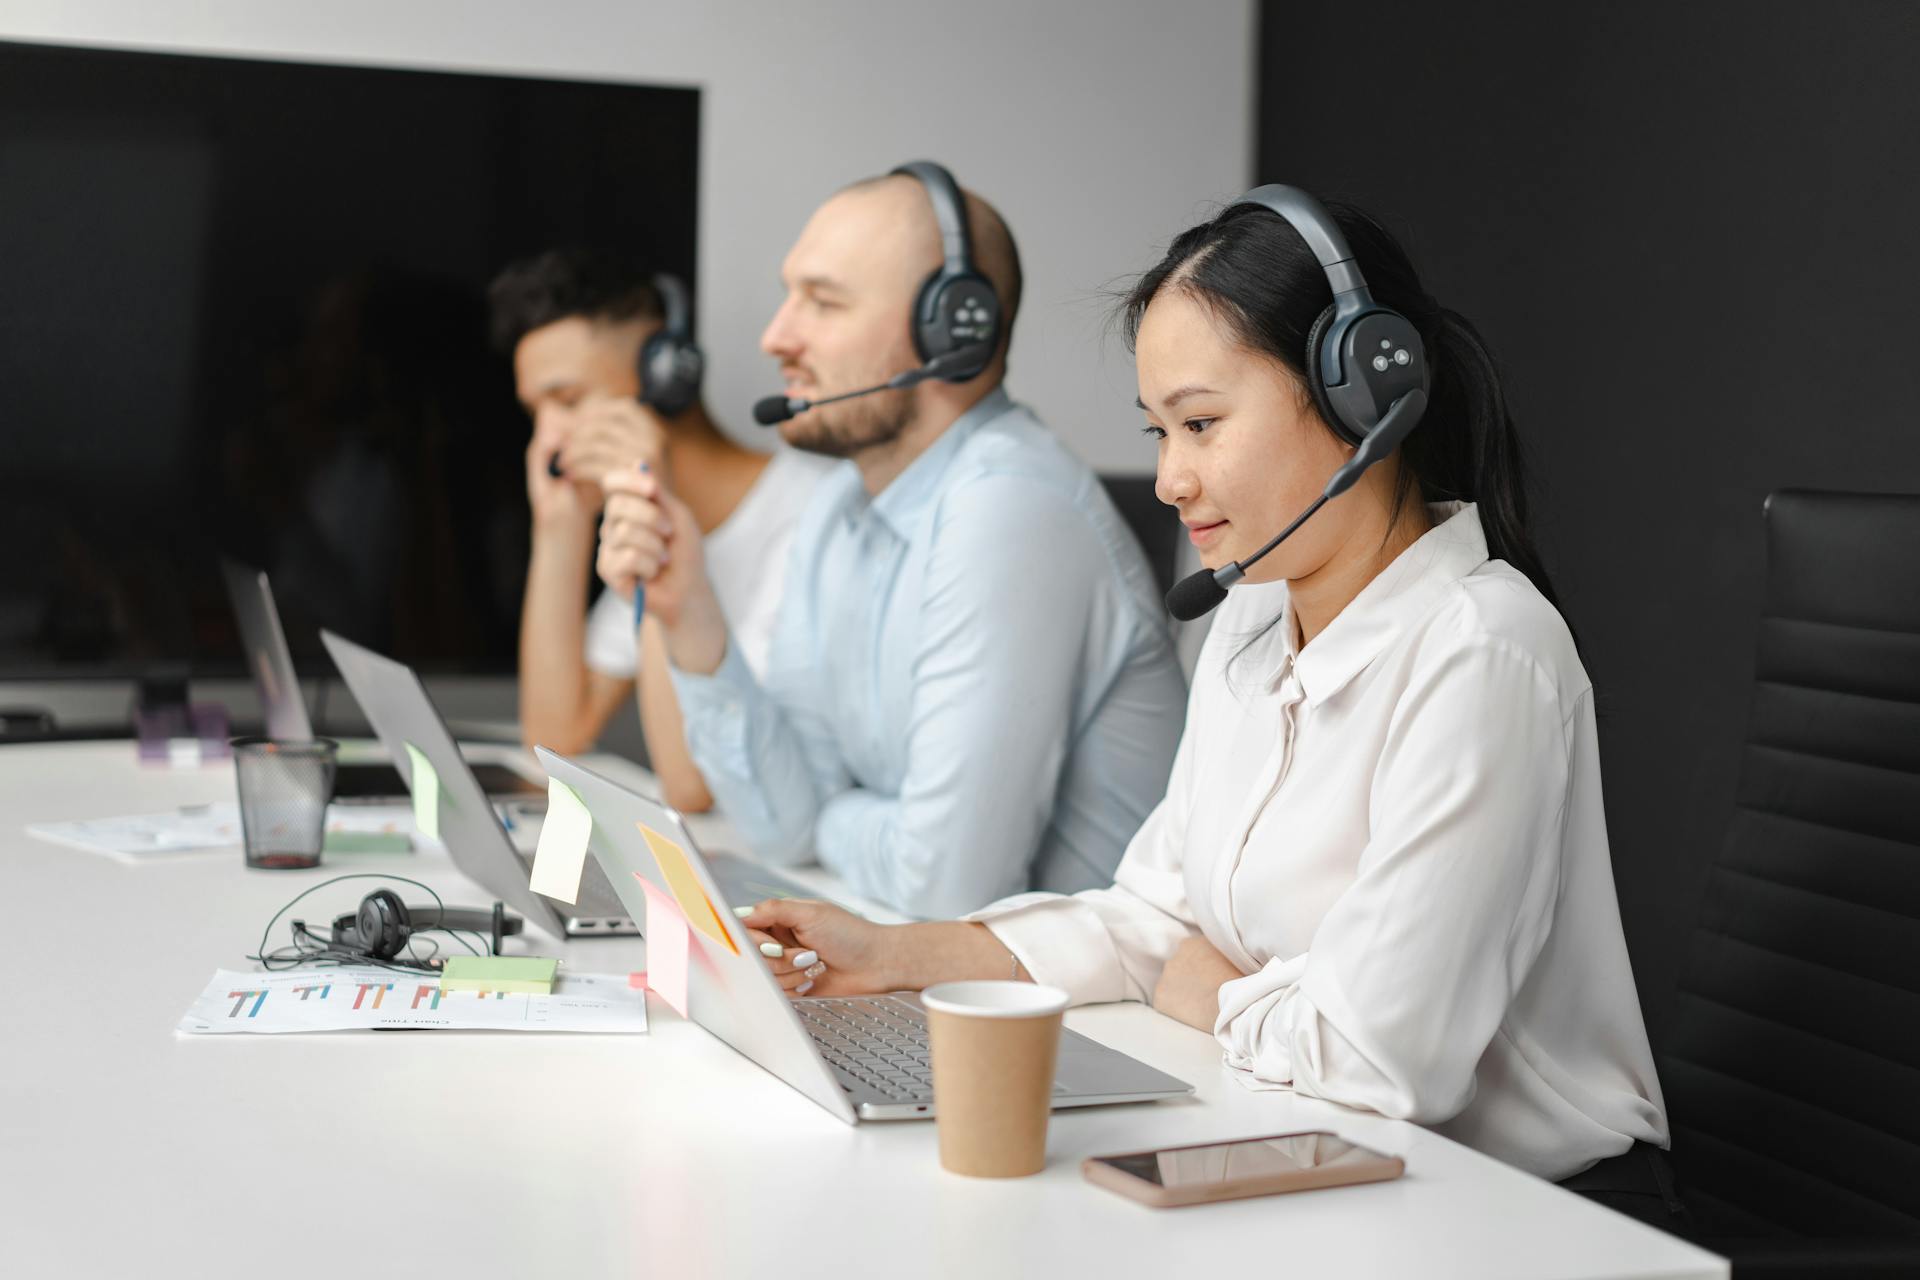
694	905
667	945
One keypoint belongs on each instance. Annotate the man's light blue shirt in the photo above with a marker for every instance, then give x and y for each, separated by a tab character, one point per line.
972	691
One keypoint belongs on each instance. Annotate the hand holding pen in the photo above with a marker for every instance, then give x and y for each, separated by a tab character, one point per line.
649	543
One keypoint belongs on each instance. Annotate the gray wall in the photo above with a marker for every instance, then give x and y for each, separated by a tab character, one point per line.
1100	128
1689	232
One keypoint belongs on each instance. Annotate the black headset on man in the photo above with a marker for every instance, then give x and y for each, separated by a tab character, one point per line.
956	313
1366	370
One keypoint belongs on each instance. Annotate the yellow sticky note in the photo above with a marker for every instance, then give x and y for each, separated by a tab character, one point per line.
425	785
686	887
562	852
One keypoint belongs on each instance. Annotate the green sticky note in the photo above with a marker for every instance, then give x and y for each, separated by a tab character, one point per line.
426	793
562	852
530	974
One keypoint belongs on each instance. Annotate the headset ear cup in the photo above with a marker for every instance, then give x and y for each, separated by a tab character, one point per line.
1316	385
650	369
383	924
953	312
929	333
670	374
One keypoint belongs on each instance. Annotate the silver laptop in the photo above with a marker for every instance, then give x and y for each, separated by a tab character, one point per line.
862	1058
284	708
400	711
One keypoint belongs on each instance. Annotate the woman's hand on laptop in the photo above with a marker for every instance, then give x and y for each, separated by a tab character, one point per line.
819	950
822	950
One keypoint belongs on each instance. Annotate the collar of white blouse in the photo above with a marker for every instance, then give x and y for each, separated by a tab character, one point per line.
1401	593
1384	609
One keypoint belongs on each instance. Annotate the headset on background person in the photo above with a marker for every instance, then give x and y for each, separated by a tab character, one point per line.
671	363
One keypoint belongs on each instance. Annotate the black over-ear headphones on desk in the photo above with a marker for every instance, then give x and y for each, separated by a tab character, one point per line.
384	925
381	931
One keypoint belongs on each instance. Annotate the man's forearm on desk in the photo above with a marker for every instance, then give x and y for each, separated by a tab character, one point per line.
754	763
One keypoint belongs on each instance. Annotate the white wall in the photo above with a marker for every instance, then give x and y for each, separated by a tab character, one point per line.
1099	127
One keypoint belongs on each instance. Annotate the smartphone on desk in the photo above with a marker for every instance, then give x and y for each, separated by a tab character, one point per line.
1245	1167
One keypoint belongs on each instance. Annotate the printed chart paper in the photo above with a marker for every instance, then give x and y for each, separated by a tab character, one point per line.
352	998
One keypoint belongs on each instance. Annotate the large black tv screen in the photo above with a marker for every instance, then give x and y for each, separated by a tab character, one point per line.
242	313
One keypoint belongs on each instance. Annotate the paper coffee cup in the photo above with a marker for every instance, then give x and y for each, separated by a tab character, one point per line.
994	1047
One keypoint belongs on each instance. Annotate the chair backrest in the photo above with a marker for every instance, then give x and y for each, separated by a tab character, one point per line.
1794	1059
1155	524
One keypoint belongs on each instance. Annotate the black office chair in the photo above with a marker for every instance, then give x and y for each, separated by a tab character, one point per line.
1793	1074
1155	524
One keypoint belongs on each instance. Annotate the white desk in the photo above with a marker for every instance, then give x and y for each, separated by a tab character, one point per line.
128	1150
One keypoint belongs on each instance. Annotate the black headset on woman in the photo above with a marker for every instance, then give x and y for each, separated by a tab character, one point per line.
1366	370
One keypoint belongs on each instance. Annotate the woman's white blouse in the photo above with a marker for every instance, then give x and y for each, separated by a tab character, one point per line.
1396	833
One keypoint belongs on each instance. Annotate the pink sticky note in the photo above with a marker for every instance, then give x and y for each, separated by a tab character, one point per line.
667	945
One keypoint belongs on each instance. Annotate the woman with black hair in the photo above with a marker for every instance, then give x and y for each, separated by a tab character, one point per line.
1380	874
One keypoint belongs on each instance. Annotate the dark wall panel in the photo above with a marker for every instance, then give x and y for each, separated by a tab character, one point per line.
1691	233
242	313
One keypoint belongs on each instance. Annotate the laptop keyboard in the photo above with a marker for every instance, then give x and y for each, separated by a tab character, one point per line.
877	1040
881	1041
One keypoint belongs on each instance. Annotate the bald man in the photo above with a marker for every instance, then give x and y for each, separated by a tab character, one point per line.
971	690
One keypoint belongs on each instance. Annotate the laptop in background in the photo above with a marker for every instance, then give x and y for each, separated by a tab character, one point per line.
284	708
402	714
860	1057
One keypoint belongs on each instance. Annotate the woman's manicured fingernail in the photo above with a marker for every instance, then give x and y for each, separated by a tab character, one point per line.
804	959
772	950
815	970
803	988
743	912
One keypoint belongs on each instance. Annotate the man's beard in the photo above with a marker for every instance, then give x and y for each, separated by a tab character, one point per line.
842	430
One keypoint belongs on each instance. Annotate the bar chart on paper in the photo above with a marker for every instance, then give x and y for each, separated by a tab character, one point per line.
367	999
